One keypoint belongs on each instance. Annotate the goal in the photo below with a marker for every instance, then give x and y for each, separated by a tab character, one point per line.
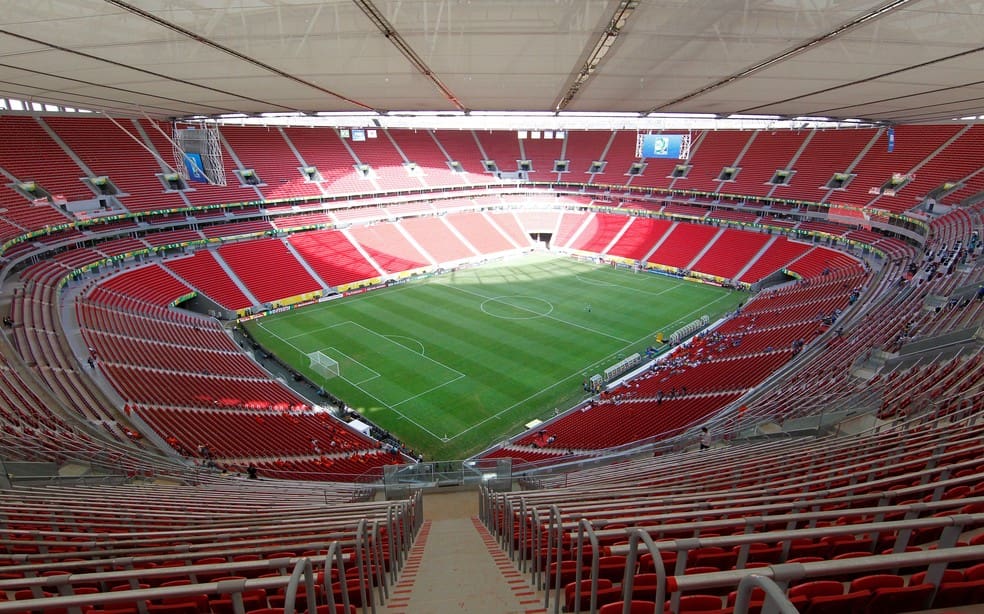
323	365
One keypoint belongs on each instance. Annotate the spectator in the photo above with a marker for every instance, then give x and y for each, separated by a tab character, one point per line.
251	472
705	438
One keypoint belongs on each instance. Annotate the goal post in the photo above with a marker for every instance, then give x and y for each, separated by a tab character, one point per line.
323	364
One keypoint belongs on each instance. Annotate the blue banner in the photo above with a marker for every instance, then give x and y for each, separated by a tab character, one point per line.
195	168
662	145
891	140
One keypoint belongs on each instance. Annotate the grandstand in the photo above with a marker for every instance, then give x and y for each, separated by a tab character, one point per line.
175	177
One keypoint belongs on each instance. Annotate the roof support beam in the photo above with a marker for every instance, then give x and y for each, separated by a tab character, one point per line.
602	46
232	52
844	28
384	26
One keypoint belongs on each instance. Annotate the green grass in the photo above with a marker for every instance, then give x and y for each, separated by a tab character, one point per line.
454	363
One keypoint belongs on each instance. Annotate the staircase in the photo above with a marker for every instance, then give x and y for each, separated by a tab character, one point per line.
457	566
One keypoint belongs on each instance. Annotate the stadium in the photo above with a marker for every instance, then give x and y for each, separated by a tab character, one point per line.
491	306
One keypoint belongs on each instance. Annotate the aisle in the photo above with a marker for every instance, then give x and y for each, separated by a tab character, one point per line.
456	566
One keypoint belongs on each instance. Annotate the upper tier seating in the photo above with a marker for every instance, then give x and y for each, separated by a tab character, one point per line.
420	148
269	154
386	161
955	162
620	156
462	148
769	152
913	145
583	147
710	154
107	150
500	147
542	153
58	175
324	150
826	153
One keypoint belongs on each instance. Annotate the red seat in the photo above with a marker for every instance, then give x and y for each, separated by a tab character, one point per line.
876	581
956	594
756	599
698	603
817	588
644	587
976	572
252	599
568	573
764	553
900	599
185	607
354	589
949	575
803	547
612	567
847	603
608	595
571	593
713	556
635	607
669	558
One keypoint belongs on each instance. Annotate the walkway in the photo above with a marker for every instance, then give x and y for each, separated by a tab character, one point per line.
456	566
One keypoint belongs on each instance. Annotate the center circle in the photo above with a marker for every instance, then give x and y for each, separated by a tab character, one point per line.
517	307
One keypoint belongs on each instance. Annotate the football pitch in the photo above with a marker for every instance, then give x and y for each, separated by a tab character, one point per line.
453	363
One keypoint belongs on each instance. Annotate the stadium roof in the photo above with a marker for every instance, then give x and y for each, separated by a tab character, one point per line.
898	61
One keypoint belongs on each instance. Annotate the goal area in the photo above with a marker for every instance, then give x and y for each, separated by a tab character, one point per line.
323	364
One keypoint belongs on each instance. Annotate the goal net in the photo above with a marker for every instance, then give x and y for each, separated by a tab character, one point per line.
323	365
